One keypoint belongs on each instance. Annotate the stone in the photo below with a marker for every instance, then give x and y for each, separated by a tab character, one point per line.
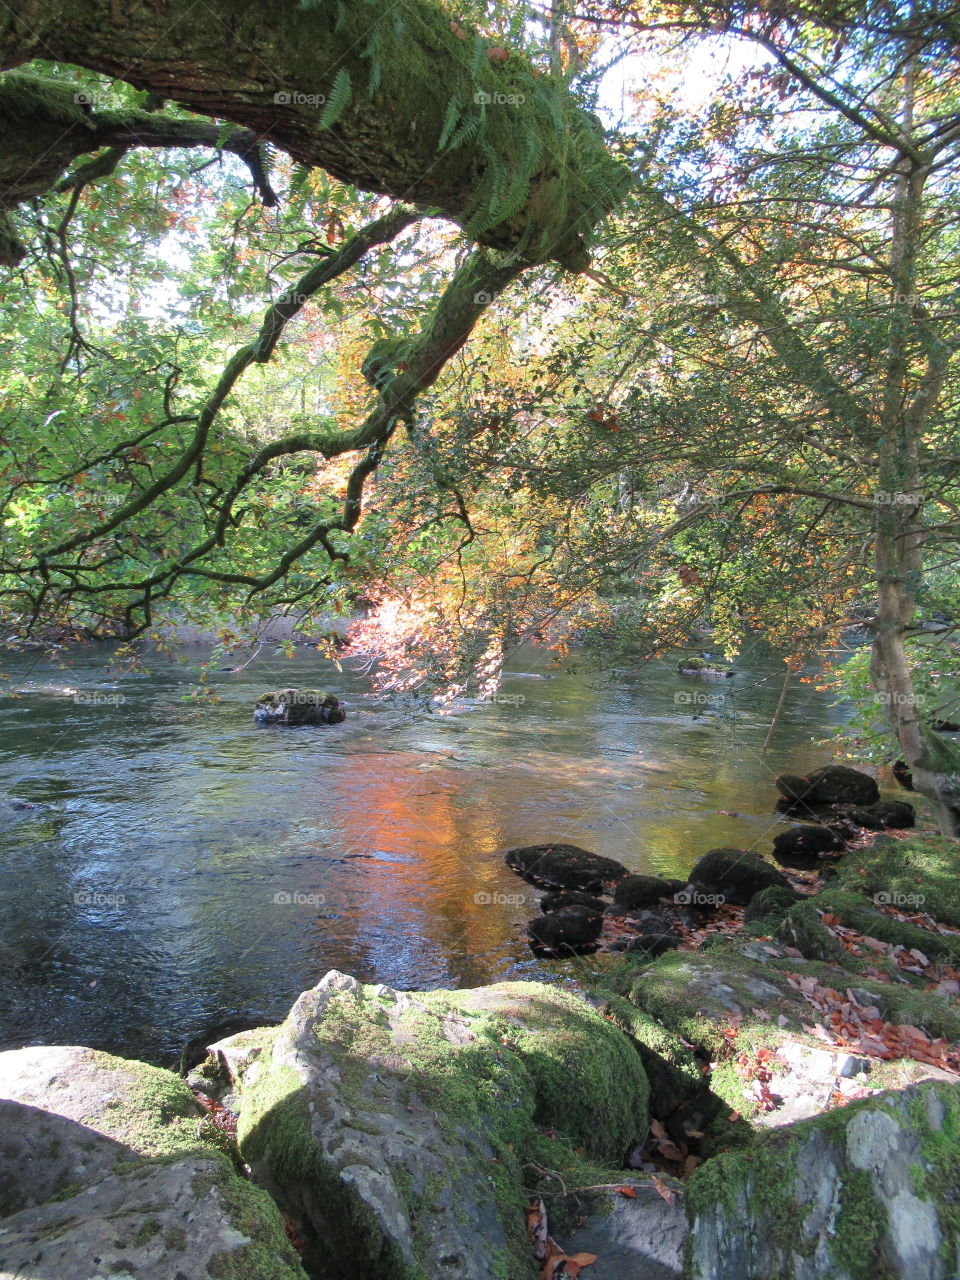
564	866
565	899
770	904
885	813
398	1129
639	1238
634	892
804	842
299	707
868	1189
568	932
832	784
733	876
654	944
104	1171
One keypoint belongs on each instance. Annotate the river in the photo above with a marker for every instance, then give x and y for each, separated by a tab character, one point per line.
186	865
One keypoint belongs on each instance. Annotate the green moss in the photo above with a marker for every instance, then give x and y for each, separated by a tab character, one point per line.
554	1088
861	1223
269	1254
175	1239
937	1177
852	911
146	1231
901	871
156	1113
803	929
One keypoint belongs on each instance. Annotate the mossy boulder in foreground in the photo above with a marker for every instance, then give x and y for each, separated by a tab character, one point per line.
402	1130
104	1171
867	1191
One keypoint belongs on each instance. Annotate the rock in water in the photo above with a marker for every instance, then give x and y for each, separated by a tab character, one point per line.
833	784
733	876
635	892
866	1190
805	841
565	933
565	899
299	706
399	1129
564	866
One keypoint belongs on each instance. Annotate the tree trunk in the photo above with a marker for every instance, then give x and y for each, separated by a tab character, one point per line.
933	762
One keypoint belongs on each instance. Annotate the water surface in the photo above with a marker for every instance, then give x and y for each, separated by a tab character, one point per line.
187	865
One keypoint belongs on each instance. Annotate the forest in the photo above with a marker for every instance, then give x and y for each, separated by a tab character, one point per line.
431	351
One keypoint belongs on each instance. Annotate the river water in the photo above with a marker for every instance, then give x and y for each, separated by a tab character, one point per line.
186	865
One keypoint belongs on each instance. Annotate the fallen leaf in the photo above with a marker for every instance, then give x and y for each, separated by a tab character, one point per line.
663	1190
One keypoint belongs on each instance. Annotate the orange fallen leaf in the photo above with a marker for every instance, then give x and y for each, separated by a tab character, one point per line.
663	1190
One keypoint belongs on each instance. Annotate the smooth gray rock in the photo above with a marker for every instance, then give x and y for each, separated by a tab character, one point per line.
639	1239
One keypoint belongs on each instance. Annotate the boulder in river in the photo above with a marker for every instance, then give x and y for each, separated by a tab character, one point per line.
564	933
833	784
701	667
885	813
732	876
299	707
803	843
634	892
564	866
570	899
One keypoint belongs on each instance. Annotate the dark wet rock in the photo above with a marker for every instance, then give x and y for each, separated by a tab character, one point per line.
885	813
567	899
701	667
807	840
836	784
564	866
565	932
833	784
634	892
732	875
792	786
945	726
771	905
654	944
299	707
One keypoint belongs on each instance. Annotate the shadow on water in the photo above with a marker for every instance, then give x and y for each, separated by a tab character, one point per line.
182	865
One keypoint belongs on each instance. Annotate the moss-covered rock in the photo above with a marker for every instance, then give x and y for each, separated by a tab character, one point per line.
187	1216
298	707
731	875
865	1191
105	1170
921	874
768	907
396	1128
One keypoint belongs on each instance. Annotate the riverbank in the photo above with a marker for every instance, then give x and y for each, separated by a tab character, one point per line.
756	1102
